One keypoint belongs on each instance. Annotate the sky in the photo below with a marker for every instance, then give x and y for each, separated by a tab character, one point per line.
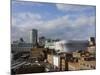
52	20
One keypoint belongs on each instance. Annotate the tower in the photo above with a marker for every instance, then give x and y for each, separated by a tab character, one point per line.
33	37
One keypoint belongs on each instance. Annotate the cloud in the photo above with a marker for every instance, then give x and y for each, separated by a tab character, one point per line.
75	8
84	20
61	27
25	3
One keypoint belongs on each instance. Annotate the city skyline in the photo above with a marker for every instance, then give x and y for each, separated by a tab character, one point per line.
64	21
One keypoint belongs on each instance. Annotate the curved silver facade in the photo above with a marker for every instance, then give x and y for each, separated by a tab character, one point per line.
72	45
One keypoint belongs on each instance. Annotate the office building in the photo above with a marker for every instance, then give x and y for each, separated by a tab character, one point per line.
33	37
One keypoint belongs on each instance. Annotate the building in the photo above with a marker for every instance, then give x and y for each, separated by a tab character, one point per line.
87	63
49	44
92	41
21	47
38	54
34	37
59	61
76	54
67	46
92	49
41	42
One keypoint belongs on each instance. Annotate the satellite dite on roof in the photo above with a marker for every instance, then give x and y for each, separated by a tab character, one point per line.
52	37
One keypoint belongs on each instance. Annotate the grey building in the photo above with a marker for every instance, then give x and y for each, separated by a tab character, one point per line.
42	41
34	37
21	47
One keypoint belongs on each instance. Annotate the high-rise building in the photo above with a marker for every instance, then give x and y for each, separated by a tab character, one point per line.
33	37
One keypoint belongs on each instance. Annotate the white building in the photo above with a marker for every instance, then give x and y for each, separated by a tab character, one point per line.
50	45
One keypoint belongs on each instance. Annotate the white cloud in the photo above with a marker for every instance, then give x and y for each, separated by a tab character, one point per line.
22	23
84	20
75	8
58	22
